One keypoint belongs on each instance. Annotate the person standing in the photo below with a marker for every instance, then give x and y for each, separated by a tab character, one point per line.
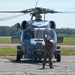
48	52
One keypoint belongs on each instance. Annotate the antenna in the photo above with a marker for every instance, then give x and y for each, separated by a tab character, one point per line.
36	3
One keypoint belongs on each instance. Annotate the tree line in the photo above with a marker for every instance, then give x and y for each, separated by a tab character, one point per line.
12	31
9	31
66	32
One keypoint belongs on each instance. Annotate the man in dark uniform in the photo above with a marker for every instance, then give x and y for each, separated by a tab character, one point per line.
48	52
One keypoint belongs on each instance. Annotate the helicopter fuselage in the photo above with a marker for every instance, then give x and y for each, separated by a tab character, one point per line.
32	38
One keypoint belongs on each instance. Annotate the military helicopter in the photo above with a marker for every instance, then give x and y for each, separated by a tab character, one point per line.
32	37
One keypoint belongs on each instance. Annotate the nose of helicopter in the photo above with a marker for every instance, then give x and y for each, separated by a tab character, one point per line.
38	45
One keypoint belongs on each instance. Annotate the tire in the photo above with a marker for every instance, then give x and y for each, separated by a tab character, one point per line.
19	55
35	58
58	58
18	58
55	56
39	58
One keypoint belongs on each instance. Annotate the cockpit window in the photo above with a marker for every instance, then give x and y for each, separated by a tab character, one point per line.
27	34
50	33
31	33
39	34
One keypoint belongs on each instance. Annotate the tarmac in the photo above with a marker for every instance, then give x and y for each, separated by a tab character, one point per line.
8	66
15	45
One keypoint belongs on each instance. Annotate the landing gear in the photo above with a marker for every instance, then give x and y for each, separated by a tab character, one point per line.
58	58
39	58
19	55
18	58
35	58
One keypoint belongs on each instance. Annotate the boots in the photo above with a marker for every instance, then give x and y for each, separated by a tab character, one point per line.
43	67
51	67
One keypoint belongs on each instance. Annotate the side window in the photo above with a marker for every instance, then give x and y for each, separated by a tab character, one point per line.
53	35
26	35
46	32
31	34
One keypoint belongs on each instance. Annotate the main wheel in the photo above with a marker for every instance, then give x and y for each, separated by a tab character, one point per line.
19	55
58	58
35	58
39	58
18	58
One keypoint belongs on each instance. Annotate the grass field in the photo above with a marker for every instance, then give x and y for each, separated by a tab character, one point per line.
69	41
66	41
13	51
68	52
5	40
7	51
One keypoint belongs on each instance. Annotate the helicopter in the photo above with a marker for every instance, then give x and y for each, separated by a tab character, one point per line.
32	43
34	31
32	38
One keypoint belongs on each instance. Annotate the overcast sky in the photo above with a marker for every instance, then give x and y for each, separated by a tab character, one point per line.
62	20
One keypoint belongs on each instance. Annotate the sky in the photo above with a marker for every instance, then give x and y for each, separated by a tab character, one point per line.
61	20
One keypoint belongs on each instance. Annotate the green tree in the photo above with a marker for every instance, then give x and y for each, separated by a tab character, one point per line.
4	31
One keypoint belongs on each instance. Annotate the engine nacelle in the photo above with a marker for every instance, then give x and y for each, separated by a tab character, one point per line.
52	25
24	25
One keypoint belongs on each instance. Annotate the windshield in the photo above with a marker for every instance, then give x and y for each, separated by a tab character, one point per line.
27	34
39	33
36	33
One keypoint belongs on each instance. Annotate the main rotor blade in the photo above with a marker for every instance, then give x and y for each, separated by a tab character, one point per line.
67	12
10	11
24	11
52	11
10	17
